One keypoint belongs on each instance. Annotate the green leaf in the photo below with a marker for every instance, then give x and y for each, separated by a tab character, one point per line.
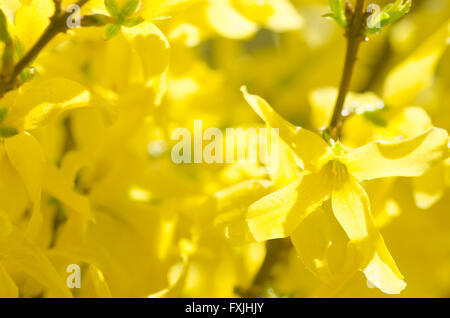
130	7
131	22
377	21
338	12
4	34
3	114
6	131
390	13
112	7
398	9
111	30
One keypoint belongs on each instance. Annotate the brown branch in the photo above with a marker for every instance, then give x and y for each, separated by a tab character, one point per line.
355	35
58	24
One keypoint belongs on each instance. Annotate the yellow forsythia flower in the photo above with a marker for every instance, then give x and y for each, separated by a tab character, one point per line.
332	171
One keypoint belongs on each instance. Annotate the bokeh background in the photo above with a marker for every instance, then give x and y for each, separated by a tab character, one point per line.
170	230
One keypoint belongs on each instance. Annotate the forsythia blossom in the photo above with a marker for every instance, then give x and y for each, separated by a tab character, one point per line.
93	204
332	171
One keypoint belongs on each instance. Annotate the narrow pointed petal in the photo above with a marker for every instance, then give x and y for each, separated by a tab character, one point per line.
352	210
57	185
151	46
279	213
408	158
8	288
26	156
24	254
308	146
416	73
41	100
380	274
322	246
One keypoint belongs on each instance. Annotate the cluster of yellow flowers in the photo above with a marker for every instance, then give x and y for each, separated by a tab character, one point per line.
90	92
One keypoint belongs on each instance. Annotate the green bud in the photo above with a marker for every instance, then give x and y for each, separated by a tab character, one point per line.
130	7
390	13
131	22
4	33
111	30
338	12
112	7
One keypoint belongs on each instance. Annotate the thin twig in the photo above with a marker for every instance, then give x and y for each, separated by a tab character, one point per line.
355	35
58	24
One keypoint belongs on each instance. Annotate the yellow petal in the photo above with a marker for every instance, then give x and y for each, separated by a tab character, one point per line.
352	210
152	47
277	15
25	255
350	205
59	186
254	10
232	206
26	156
43	98
8	288
13	194
32	19
227	21
72	163
409	122
416	73
5	225
176	278
100	285
278	214
44	113
409	158
151	9
284	18
286	169
308	146
322	246
380	274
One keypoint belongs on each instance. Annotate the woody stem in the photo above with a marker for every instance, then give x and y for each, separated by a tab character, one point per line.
355	34
57	25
